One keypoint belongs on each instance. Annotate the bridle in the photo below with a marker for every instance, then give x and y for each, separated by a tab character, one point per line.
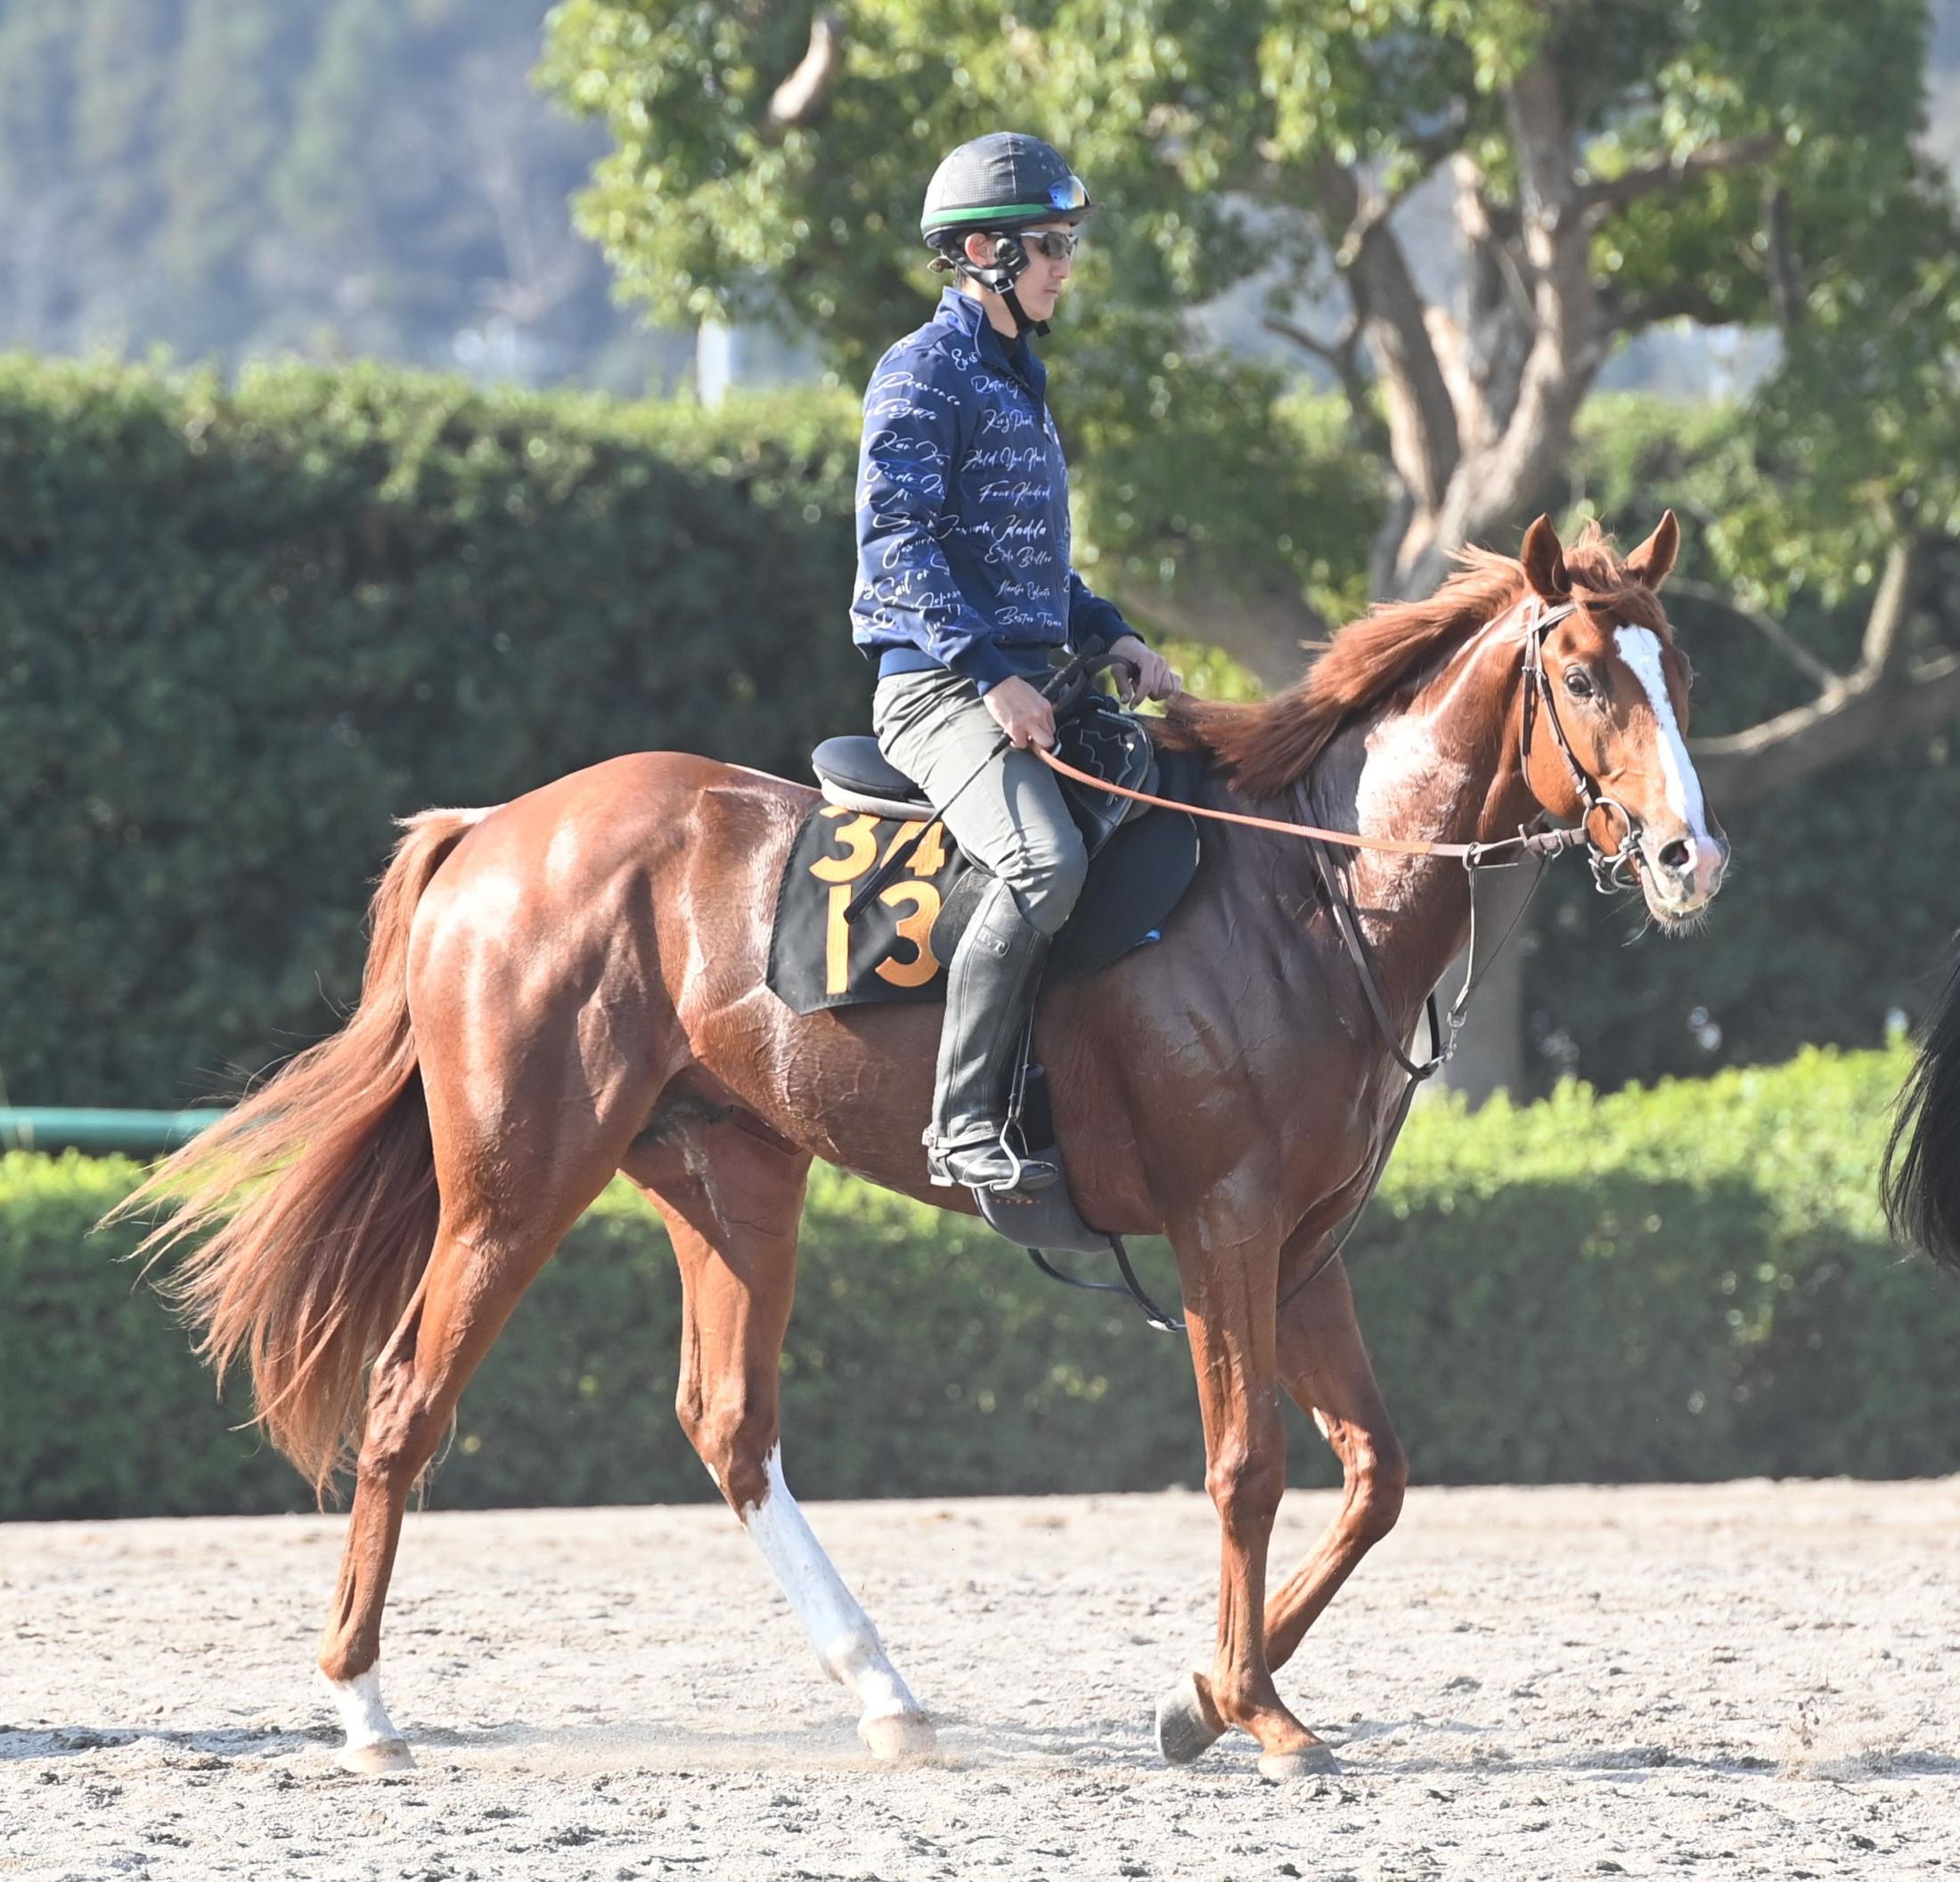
1614	869
1611	869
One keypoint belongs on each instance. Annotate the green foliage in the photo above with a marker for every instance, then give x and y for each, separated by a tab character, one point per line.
1164	108
102	1410
240	632
1688	1283
1204	133
1302	504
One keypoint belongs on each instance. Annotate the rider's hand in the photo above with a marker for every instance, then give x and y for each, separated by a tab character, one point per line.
1022	713
1153	679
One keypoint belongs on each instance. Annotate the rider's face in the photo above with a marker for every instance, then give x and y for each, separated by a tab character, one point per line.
1041	284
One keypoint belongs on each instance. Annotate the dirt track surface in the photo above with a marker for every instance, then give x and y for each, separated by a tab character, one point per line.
1748	1679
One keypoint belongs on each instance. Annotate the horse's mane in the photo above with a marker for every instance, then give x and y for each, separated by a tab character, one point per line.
1267	747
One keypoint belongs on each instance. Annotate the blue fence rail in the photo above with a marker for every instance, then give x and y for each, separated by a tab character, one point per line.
135	1133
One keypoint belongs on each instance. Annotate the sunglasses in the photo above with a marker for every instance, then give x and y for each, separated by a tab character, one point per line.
1056	244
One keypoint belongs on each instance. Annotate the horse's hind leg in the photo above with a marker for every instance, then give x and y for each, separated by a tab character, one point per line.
489	1246
730	1196
1326	1370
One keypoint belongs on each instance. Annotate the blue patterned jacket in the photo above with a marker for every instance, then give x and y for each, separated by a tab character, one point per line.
962	509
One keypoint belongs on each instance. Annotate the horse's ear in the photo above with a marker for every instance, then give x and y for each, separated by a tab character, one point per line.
1545	561
1650	563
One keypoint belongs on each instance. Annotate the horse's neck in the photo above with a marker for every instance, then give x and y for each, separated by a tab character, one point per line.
1441	768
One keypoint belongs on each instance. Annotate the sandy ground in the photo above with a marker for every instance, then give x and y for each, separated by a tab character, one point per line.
1748	1680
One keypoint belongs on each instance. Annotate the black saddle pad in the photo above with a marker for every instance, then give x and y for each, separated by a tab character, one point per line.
898	947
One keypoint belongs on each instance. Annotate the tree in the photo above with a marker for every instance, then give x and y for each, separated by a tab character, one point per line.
36	108
221	128
1600	170
1608	168
447	215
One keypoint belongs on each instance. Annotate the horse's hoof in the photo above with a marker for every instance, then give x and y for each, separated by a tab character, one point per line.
1183	1730
895	1737
1288	1767
377	1760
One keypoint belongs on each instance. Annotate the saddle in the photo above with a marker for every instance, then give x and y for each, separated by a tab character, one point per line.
895	945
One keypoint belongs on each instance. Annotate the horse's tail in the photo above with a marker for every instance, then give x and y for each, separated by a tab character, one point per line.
315	1198
1921	1178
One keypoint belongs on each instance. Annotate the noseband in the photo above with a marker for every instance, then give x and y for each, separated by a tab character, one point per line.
1617	868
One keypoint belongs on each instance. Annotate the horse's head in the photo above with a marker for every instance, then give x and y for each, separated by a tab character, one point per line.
1604	730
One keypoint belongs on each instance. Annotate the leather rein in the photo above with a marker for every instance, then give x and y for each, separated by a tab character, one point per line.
1610	867
1612	870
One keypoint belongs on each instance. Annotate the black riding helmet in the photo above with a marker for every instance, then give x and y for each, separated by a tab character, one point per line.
1000	183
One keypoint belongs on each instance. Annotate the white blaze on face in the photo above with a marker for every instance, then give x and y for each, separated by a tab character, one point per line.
1640	648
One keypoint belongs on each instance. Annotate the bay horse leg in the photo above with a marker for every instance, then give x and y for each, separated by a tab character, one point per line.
1230	1289
488	1249
1325	1369
732	1194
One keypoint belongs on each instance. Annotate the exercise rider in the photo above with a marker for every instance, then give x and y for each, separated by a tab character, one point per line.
964	589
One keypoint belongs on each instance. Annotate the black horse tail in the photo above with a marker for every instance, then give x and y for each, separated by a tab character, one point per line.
1920	1181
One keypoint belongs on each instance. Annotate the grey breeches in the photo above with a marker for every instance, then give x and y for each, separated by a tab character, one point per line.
934	728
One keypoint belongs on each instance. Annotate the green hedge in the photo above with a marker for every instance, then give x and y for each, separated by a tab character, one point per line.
241	630
1686	1283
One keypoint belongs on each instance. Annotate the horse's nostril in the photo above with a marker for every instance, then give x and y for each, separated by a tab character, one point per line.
1678	858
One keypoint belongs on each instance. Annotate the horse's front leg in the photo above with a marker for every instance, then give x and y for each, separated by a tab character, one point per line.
1325	1366
1231	1294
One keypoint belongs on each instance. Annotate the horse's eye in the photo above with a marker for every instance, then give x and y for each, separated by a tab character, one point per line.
1579	682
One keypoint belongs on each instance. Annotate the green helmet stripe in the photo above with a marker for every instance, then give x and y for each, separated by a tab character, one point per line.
995	209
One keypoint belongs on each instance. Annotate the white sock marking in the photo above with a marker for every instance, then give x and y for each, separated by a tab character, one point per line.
363	1716
1640	648
839	1629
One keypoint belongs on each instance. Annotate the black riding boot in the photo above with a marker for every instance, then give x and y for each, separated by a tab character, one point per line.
990	988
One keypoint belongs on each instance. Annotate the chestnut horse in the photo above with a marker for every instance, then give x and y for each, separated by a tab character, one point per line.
572	985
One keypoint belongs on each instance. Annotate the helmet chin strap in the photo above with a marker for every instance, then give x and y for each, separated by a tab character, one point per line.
1010	263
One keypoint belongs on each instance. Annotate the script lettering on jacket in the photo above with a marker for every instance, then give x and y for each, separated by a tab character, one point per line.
1008	458
1006	417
